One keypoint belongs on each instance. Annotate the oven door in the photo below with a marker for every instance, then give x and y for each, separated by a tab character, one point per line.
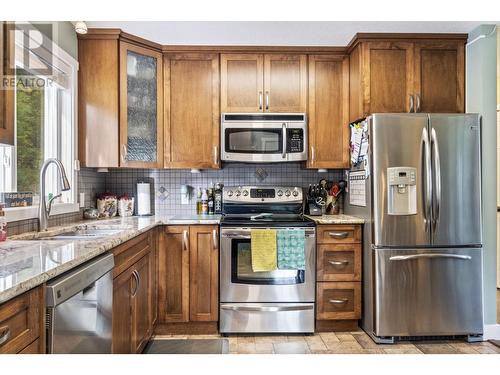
238	282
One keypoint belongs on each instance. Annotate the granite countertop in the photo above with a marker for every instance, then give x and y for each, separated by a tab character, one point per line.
30	259
336	219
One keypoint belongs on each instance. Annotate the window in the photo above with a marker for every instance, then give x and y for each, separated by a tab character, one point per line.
45	121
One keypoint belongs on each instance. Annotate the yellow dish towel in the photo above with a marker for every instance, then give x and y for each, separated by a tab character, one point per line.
264	250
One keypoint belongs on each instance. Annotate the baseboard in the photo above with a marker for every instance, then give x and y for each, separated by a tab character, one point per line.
337	325
491	332
188	328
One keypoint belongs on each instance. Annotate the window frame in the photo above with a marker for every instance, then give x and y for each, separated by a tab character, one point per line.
64	62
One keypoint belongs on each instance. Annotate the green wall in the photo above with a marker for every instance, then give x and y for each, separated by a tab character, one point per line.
481	68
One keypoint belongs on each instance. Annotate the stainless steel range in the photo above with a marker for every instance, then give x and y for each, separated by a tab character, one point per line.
273	301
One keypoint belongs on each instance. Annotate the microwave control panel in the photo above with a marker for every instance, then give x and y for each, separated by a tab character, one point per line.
294	140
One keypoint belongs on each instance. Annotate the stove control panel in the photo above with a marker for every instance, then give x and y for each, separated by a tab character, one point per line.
259	194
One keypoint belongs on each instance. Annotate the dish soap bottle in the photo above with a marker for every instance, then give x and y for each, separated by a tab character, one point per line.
3	224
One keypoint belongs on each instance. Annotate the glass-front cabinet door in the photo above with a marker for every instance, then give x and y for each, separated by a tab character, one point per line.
141	110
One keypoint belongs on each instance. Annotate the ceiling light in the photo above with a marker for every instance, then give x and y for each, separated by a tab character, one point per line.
81	27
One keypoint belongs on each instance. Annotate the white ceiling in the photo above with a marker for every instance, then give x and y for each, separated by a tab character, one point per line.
335	33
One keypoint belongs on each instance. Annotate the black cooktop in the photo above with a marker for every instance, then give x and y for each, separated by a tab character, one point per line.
266	221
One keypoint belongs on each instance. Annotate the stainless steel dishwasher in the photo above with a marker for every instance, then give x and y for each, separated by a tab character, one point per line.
79	309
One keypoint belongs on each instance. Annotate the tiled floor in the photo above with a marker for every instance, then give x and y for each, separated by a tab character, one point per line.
340	343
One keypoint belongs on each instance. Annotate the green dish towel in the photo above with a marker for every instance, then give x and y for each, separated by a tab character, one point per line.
291	249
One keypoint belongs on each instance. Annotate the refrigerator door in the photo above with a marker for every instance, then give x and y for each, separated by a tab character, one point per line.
428	292
400	140
456	161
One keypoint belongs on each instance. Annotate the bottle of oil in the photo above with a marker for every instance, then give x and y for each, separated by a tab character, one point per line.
204	202
198	202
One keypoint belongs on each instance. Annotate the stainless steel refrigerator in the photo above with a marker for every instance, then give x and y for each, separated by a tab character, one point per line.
422	245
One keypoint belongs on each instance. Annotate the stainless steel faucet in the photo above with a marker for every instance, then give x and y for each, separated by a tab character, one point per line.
44	211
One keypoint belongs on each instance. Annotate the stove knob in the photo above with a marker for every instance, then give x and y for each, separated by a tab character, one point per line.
280	193
287	193
238	193
295	193
245	193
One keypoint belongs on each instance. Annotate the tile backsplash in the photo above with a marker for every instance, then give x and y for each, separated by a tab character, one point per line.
168	182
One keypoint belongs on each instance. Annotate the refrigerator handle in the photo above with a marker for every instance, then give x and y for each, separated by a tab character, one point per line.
427	183
436	167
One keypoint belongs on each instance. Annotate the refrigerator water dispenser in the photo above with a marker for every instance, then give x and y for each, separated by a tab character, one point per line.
402	192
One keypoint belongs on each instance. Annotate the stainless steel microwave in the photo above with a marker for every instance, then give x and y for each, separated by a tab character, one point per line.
263	137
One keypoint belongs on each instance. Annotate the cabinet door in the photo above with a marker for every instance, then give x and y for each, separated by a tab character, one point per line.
192	117
204	273
142	317
7	108
242	83
388	69
328	112
439	77
173	275
285	83
123	286
141	107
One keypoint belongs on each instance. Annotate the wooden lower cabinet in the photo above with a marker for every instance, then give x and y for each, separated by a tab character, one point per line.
338	275
133	296
22	323
188	273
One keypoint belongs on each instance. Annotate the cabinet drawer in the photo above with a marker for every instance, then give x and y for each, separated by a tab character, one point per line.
338	300
130	252
33	348
20	321
339	233
339	262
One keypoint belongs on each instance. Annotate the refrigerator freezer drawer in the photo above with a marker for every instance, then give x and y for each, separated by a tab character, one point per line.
428	292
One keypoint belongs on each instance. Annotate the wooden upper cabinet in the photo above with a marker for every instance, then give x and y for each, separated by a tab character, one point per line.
192	116
388	68
263	83
242	82
285	83
439	76
141	107
204	273
173	275
7	102
328	111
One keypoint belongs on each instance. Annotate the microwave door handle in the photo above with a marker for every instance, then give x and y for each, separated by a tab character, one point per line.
283	128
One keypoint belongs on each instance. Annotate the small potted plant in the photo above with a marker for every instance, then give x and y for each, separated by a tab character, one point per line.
107	205
125	205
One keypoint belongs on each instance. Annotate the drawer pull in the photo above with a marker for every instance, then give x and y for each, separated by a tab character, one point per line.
338	301
4	335
338	235
338	262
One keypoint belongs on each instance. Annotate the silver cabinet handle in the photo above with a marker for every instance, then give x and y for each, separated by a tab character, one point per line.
283	128
267	100
338	235
338	301
136	277
426	181
418	103
214	239
267	308
433	255
216	154
412	105
338	262
260	100
4	335
124	153
184	240
437	180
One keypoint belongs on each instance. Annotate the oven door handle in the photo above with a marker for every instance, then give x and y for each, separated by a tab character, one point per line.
234	235
283	156
267	308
